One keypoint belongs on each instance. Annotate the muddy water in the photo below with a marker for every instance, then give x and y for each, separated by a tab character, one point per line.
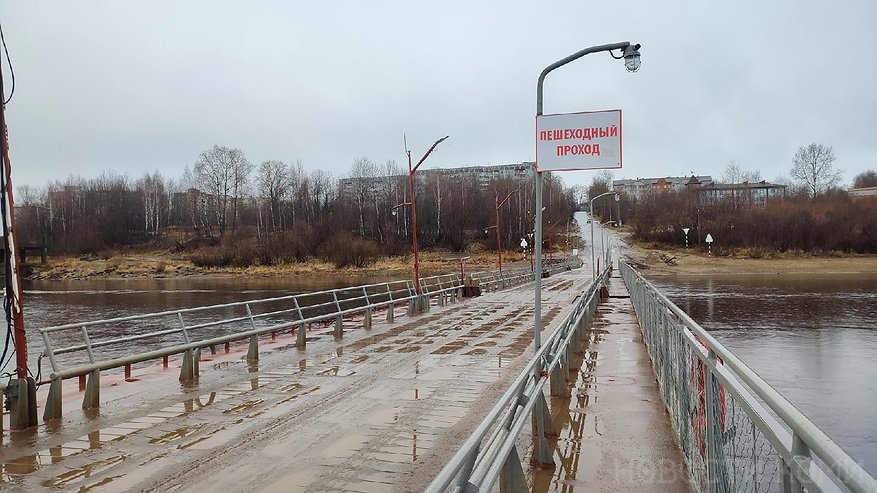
813	338
49	303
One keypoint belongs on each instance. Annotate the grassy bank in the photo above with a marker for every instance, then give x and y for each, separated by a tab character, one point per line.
163	264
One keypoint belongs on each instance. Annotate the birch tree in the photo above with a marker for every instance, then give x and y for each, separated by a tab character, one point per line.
813	166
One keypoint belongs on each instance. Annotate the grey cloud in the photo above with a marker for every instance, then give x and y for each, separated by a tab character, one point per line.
136	87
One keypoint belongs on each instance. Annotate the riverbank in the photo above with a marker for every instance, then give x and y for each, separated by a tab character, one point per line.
159	264
691	262
646	258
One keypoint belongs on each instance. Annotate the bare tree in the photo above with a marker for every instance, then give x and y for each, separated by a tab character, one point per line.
241	169
733	173
155	204
221	172
600	184
865	179
363	173
274	182
814	168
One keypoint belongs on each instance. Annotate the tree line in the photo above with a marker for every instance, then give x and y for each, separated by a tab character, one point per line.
815	215
228	211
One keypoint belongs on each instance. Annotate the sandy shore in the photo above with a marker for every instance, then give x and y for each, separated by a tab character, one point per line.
679	262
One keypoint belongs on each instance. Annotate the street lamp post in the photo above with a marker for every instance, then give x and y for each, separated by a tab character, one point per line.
631	57
593	260
498	205
603	240
411	202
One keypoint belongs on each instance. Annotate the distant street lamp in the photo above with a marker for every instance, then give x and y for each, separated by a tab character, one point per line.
593	260
498	205
603	248
411	202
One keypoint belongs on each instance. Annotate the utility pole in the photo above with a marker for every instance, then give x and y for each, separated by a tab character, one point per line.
21	392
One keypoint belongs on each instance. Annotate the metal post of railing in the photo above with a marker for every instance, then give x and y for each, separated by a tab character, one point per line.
412	299
87	341
253	350
301	333
390	307
790	482
423	302
339	319
47	343
367	315
91	399
183	328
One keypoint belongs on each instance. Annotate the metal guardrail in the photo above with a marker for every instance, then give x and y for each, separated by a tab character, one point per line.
490	452
492	280
91	347
734	430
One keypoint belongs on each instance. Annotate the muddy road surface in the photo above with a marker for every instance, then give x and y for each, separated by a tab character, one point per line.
379	410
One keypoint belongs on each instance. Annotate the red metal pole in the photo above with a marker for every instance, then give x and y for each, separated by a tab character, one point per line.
498	243
414	226
13	277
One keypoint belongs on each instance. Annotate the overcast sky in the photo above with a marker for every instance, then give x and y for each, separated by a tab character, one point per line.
136	87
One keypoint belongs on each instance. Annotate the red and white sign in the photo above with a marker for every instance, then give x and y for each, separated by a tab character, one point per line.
578	141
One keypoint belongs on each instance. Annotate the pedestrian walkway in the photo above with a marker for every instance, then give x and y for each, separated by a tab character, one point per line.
615	434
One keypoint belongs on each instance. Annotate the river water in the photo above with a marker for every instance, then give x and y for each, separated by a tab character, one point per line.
50	303
813	338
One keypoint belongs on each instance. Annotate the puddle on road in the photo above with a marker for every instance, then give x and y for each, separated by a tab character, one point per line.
450	347
290	387
84	472
175	434
89	445
336	371
245	406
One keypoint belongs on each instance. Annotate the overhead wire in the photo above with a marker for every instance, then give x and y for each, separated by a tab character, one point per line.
7	299
9	63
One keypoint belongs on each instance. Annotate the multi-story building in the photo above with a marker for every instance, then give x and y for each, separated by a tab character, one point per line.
642	187
741	193
859	193
482	175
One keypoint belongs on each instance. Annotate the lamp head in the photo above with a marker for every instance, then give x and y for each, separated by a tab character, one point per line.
617	197
393	212
632	58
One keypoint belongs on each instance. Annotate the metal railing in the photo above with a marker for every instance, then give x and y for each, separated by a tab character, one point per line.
492	280
84	349
735	432
93	346
489	454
